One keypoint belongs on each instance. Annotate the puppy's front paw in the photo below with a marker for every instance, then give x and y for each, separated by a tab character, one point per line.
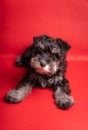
64	101
14	96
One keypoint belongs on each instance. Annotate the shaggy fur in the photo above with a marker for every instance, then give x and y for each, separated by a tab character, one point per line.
46	65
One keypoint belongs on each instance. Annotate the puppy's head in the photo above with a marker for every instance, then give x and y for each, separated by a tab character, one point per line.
47	54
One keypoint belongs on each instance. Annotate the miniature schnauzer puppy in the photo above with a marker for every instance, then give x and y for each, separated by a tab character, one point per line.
46	64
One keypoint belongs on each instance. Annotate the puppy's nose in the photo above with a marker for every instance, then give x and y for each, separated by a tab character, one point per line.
42	64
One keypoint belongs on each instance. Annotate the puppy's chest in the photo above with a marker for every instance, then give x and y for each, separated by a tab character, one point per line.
41	81
47	82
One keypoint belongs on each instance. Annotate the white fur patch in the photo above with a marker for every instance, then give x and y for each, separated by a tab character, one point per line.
47	68
55	68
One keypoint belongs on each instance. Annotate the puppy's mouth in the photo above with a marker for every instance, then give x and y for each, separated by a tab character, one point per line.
42	71
47	70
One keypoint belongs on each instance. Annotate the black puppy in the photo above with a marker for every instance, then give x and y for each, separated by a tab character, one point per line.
46	65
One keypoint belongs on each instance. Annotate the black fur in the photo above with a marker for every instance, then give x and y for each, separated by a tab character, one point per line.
46	65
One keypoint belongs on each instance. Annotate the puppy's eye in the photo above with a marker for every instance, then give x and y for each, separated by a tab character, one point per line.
48	60
38	51
57	56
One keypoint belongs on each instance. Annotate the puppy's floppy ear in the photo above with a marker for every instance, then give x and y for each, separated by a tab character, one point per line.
64	46
35	39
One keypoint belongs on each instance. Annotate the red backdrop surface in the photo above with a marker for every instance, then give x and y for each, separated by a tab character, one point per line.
20	21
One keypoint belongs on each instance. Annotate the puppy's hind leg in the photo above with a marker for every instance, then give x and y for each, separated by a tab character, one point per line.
19	61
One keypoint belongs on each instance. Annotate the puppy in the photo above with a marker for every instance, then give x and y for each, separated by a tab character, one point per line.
46	65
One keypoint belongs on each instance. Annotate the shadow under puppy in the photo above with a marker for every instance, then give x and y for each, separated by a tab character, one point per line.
46	65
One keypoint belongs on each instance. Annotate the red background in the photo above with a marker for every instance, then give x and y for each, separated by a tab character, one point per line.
20	21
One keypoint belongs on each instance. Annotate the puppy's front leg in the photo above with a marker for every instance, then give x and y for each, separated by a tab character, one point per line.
62	99
20	92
